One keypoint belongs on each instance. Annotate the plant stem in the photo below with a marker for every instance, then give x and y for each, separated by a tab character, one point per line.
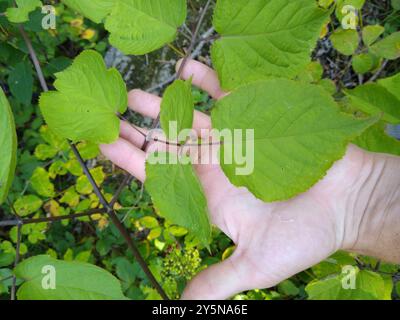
10	223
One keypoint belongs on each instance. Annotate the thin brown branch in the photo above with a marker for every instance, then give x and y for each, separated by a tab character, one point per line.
379	71
10	223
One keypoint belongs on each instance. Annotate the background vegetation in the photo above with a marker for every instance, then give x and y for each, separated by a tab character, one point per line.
50	182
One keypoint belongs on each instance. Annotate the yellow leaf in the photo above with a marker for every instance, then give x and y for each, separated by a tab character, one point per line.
88	34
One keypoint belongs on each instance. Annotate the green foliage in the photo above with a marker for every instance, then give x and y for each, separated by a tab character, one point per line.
375	139
20	81
373	99
297	136
177	106
95	10
254	45
8	150
74	281
21	12
388	48
368	286
141	26
178	195
345	41
88	98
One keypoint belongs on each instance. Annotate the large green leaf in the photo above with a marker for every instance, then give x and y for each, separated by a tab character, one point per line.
389	47
20	81
73	281
95	10
178	195
368	286
87	102
141	26
21	12
177	106
264	38
373	99
392	84
8	150
298	134
375	139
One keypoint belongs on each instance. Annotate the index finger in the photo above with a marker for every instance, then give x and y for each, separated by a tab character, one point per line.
203	77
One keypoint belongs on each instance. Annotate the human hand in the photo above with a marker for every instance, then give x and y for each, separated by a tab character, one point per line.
274	240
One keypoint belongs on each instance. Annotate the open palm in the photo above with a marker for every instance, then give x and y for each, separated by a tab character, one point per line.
274	240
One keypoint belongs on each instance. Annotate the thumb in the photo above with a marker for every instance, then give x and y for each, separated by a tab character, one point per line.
217	282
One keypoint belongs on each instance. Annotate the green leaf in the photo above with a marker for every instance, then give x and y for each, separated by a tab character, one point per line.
88	99
20	81
141	26
178	195
373	100
364	62
95	10
177	106
41	183
264	38
389	47
396	4
8	150
325	3
375	139
345	41
368	286
73	281
371	33
21	13
27	204
392	84
298	134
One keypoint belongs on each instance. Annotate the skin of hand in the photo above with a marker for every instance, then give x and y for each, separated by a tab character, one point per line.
356	207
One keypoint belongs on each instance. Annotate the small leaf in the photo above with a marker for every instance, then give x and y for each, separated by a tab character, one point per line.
178	195
389	47
21	13
72	281
88	99
41	183
373	100
375	139
298	134
20	81
177	106
371	33
95	10
141	26
264	38
8	150
27	204
364	62
392	84
345	41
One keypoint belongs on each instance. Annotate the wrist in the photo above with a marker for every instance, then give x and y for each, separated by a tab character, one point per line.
372	207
